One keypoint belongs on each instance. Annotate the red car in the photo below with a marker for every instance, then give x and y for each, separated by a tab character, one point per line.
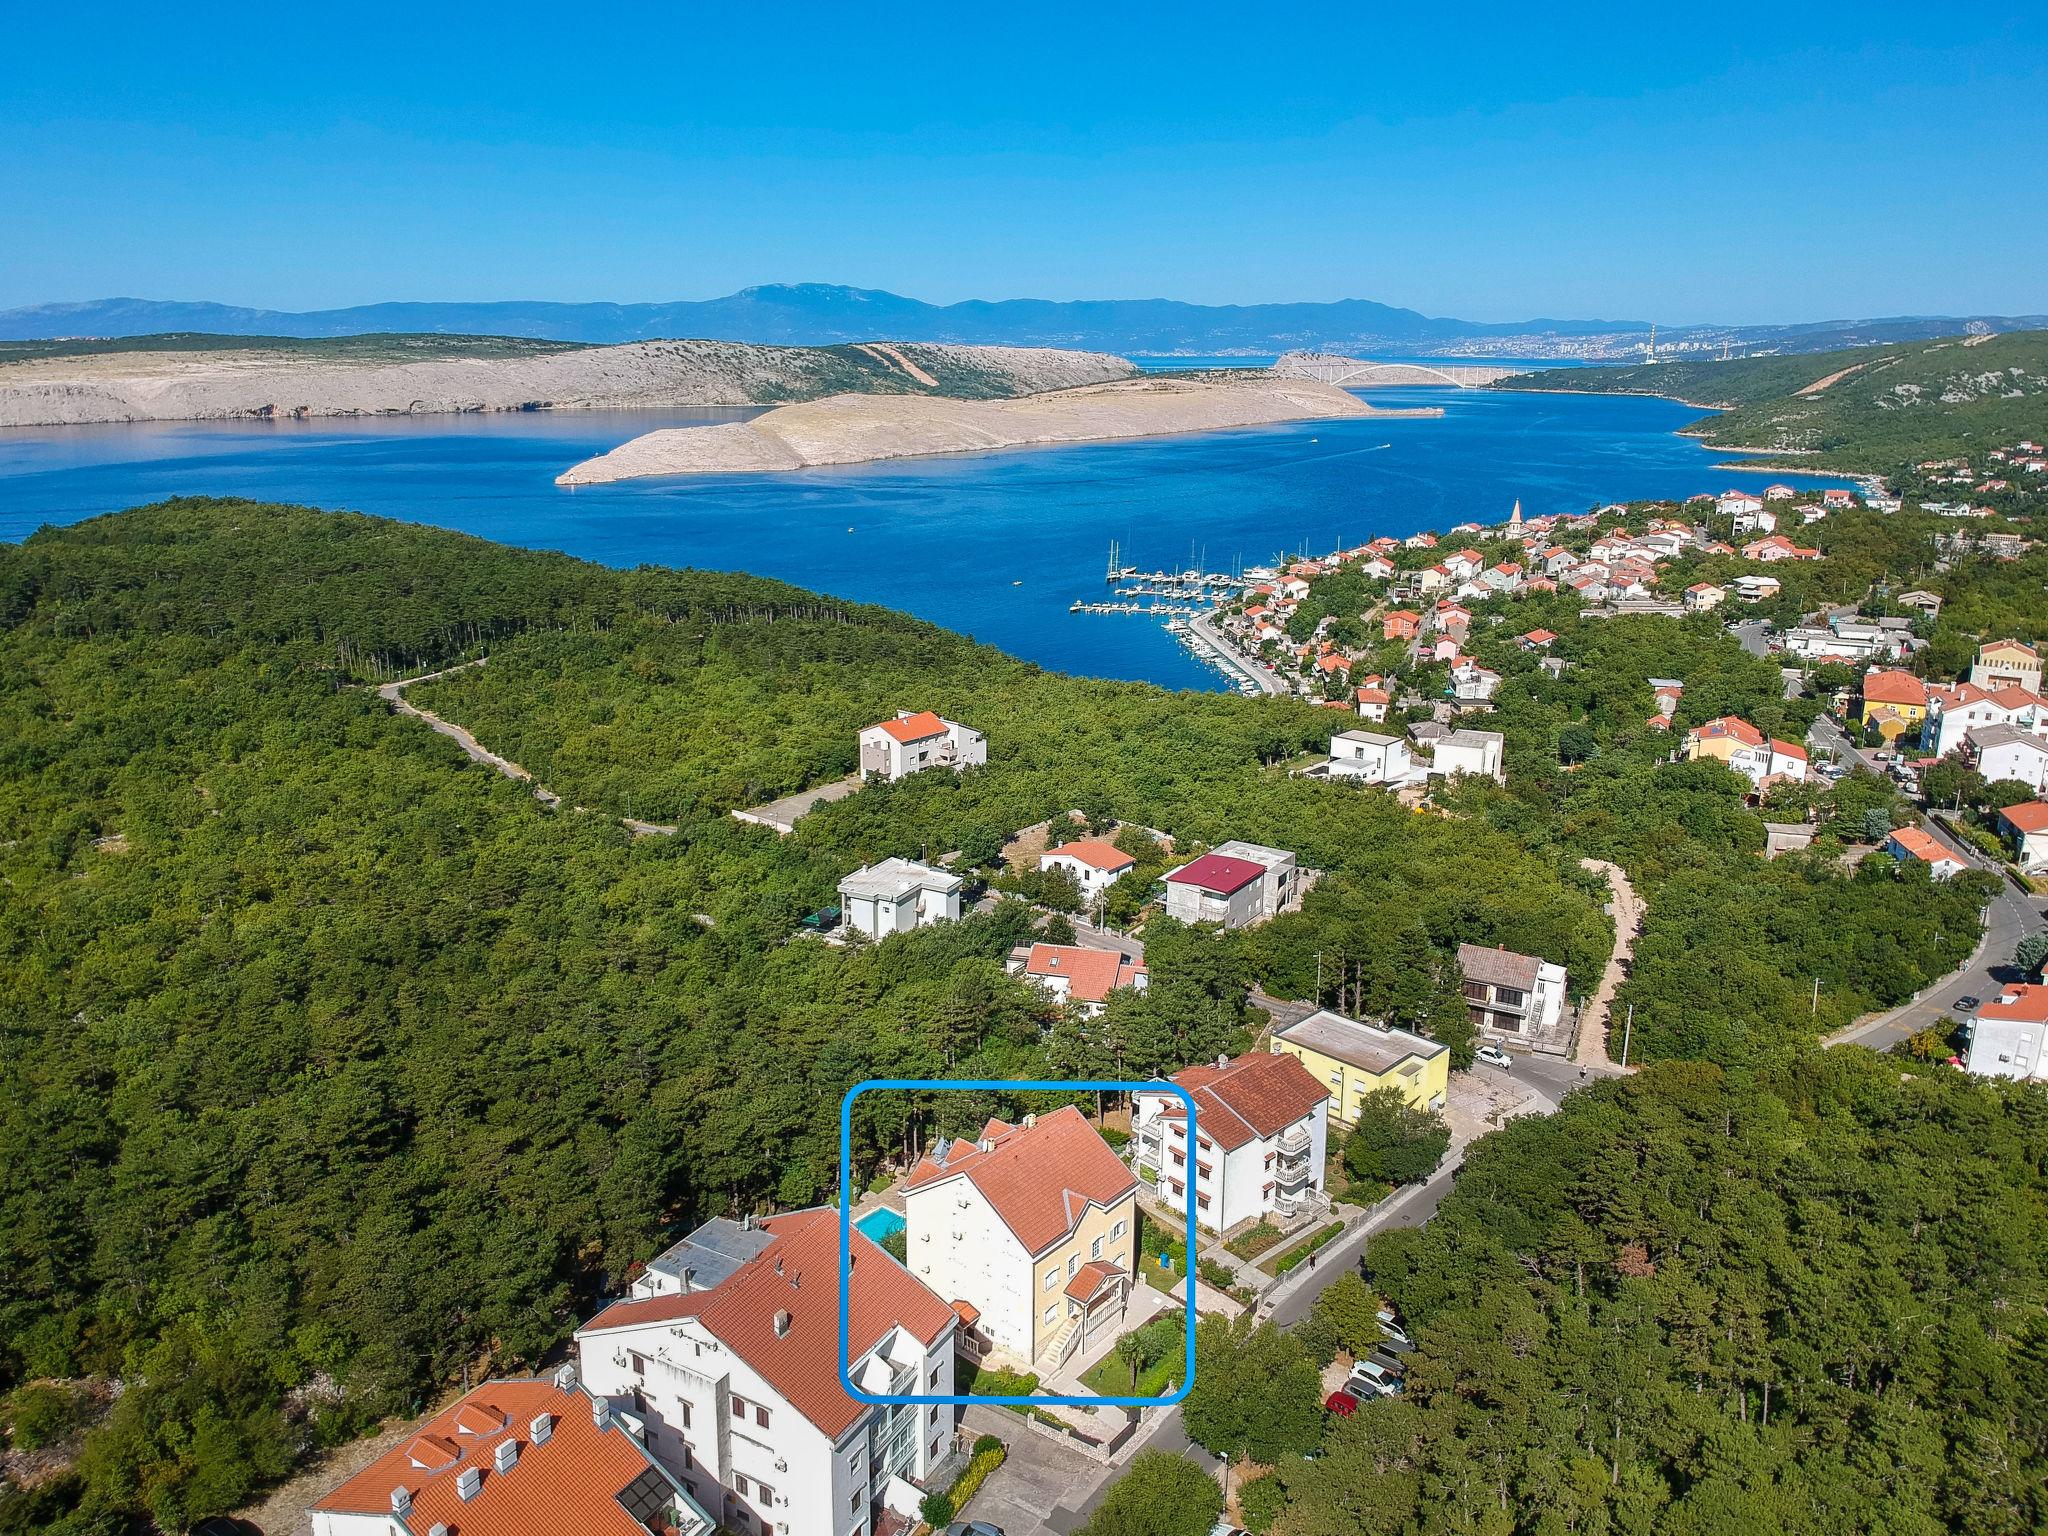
1342	1404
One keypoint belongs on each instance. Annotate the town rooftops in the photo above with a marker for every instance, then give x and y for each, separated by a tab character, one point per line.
1039	1177
1372	1047
893	879
1095	853
1732	727
1092	974
564	1472
913	727
1217	873
1257	1095
1498	967
779	1312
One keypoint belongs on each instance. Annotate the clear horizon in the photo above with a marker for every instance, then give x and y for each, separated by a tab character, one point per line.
1743	167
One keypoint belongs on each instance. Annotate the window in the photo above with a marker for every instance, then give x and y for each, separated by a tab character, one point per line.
639	1364
767	1495
1073	1263
1180	1159
1052	1278
739	1406
739	1484
1201	1170
933	1416
935	1377
1269	1189
1269	1159
1119	1230
1202	1200
1051	1313
853	1505
683	1407
760	1416
1095	1249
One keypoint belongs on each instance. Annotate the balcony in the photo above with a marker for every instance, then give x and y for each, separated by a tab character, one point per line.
1294	1141
1293	1175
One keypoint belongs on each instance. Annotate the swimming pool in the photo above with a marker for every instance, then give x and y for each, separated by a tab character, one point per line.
877	1225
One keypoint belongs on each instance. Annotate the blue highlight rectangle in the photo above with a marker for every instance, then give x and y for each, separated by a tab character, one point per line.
846	1248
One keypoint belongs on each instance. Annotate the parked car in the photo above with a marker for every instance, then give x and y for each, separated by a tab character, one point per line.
1342	1404
1386	1360
1369	1379
1492	1054
974	1528
1968	1004
1395	1341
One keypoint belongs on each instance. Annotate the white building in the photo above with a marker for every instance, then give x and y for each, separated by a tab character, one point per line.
1370	758
1471	683
2026	828
1913	843
898	895
913	742
1080	978
2005	752
1520	998
727	1352
2005	1036
1954	712
1032	1226
1092	864
516	1456
1259	1143
1476	752
1280	880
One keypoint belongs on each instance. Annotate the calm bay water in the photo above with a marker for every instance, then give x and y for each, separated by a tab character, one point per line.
996	545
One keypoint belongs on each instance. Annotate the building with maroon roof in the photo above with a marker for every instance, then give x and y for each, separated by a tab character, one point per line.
1259	1143
516	1458
1008	1222
1235	884
727	1352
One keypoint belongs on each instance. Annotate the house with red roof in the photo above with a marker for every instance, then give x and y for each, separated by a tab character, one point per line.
2026	828
1258	1139
1081	979
1034	1226
913	742
1776	547
516	1458
1400	624
2006	1035
1093	864
1914	843
725	1354
1235	884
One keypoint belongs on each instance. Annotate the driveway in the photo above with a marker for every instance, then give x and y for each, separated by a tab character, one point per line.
1039	1488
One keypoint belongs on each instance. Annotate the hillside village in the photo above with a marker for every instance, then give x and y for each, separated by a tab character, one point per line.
1048	1258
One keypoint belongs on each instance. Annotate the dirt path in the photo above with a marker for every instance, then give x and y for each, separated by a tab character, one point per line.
394	695
1819	385
888	354
1596	1023
287	1509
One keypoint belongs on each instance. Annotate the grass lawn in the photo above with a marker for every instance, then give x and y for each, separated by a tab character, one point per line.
1110	1377
1156	1239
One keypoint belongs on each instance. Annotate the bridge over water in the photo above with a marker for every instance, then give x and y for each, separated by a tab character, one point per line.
1359	373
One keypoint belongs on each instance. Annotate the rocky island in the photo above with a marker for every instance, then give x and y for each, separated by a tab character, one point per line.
859	429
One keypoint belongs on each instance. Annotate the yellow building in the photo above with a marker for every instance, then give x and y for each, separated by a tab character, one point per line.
1354	1059
2007	664
1893	701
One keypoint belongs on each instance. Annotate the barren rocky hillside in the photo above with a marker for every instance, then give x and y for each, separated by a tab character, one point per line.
433	375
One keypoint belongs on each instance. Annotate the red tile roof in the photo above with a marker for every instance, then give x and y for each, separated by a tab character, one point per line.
2031	817
1890	686
1039	1178
1257	1095
1092	974
570	1483
1217	872
1788	749
803	1363
1090	1279
915	727
1733	726
2028	1005
1095	853
1923	847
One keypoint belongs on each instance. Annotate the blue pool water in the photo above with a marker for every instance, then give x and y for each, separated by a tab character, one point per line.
996	545
877	1225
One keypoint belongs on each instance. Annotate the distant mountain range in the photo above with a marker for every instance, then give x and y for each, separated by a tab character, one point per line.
821	314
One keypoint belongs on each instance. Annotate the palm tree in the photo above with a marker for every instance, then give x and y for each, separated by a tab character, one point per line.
1131	1350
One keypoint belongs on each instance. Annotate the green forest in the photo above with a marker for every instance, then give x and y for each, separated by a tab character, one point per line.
1887	406
338	1066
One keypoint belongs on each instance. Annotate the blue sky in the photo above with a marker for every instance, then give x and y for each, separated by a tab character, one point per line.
1706	163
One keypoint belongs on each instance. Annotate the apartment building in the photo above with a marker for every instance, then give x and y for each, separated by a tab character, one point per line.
898	895
915	741
1034	1226
1259	1139
726	1356
1520	998
1351	1059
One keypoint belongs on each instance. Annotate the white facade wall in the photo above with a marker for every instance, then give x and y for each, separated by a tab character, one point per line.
1354	756
2022	760
1092	880
963	1251
687	1381
2006	1048
1192	904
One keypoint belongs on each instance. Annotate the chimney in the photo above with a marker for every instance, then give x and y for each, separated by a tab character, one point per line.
600	1413
469	1484
506	1456
542	1429
689	1276
747	1222
565	1377
1030	1121
1222	1062
438	1529
782	1321
401	1501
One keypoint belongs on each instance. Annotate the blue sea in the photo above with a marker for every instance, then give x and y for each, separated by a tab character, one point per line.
997	545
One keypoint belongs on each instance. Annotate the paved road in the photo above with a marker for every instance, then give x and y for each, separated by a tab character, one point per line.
2009	918
1237	664
1750	635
